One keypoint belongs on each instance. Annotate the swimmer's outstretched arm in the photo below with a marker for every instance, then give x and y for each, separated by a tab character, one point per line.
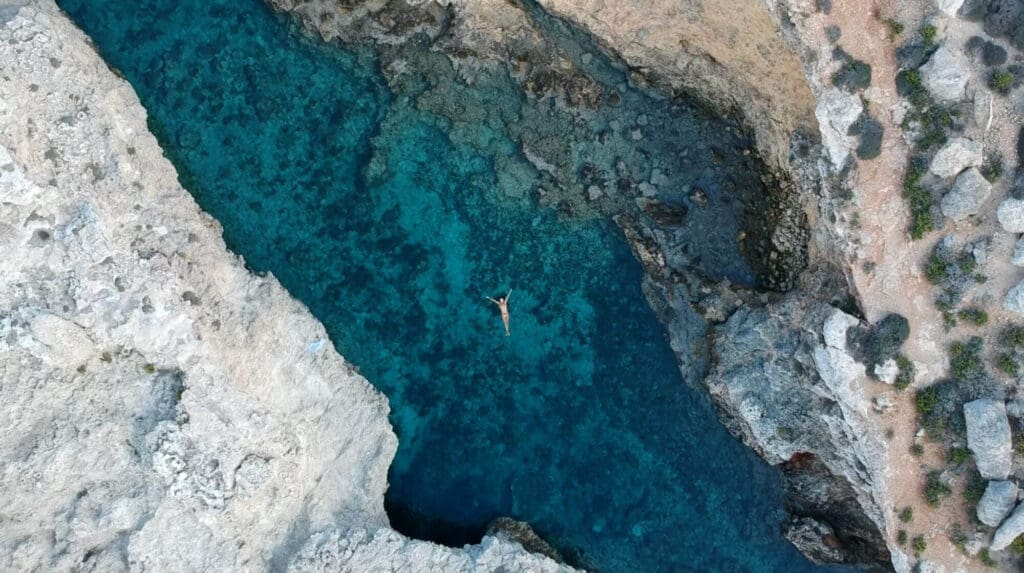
492	300
509	295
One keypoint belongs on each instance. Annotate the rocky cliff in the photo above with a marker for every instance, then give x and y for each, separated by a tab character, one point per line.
160	406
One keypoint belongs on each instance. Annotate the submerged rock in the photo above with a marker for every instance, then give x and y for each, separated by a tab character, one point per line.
998	501
967	195
945	75
988	437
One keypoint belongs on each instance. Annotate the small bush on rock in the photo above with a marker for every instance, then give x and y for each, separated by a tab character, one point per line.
918	544
907	514
974	315
935	490
1001	81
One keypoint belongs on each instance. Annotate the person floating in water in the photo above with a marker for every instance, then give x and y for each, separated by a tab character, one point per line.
502	303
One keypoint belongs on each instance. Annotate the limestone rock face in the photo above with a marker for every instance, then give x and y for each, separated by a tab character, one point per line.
797	402
997	503
1011	215
988	436
958	154
949	7
836	112
968	194
945	75
163	408
1009	530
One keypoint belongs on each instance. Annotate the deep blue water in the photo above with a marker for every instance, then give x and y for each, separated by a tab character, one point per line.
392	222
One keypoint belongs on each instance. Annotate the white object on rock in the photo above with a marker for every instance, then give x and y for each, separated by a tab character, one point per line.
965	198
983	108
1018	254
949	7
988	437
1011	215
1014	301
836	112
945	75
958	154
1009	530
887	371
998	501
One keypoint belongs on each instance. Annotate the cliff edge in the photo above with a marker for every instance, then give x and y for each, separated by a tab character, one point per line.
160	406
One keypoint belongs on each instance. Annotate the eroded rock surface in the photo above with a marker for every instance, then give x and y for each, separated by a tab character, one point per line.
163	408
795	401
988	436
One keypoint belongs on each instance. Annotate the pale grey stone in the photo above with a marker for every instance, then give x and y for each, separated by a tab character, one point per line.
998	501
945	75
1012	528
949	7
983	109
956	155
1018	254
968	194
1011	215
836	112
883	402
988	437
1014	301
887	371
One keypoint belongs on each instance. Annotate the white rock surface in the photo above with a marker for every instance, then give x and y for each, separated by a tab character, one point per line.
836	112
968	194
1011	215
983	109
1009	530
887	371
998	501
988	437
949	7
945	75
956	155
161	408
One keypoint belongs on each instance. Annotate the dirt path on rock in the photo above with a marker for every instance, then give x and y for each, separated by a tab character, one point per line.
897	284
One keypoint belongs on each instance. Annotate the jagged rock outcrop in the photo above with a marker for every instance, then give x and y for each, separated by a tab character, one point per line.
988	437
945	75
1011	529
997	503
956	155
163	408
1011	215
794	399
968	194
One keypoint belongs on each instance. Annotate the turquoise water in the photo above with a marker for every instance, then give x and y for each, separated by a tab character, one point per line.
392	219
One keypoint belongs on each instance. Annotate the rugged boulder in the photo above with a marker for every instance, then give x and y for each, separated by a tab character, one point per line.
967	195
988	437
1011	215
1014	301
945	75
1012	528
997	503
837	111
955	156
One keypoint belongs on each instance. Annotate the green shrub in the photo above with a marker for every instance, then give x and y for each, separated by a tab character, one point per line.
985	558
974	315
918	199
937	269
974	489
993	168
926	399
965	359
906	373
148	368
959	455
1017	546
934	489
853	75
918	544
929	33
917	450
1001	81
901	537
895	27
81	369
1007	363
958	537
1012	336
906	514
